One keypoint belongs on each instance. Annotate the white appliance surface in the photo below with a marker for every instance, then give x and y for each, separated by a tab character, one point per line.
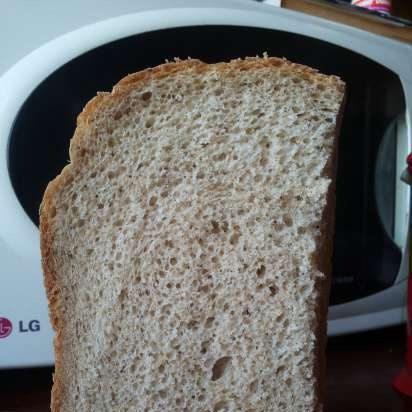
37	37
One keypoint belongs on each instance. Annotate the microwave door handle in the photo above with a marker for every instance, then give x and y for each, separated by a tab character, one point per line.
402	191
393	217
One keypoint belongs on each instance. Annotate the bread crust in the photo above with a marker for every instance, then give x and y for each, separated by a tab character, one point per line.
78	151
325	250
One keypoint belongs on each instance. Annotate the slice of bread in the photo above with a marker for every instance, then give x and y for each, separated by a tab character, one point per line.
187	246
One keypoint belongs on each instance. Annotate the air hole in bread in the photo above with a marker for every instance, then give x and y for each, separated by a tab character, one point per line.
260	271
218	92
234	239
146	96
193	324
149	122
214	259
117	115
221	406
152	201
219	157
219	367
288	220
252	386
273	290
204	347
215	226
209	322
204	289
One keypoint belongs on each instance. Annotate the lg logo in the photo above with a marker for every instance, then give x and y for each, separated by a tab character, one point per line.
6	327
32	326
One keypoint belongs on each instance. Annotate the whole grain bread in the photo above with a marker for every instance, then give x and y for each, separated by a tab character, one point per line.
186	248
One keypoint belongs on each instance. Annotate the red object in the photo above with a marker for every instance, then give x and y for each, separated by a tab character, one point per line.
403	381
409	162
384	6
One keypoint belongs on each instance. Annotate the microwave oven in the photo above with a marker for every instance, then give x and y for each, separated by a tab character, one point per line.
55	56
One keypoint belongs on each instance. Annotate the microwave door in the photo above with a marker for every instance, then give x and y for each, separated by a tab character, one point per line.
371	208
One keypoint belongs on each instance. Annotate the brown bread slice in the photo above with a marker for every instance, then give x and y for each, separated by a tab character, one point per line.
186	248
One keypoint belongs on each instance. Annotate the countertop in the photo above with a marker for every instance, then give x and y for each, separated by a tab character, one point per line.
360	370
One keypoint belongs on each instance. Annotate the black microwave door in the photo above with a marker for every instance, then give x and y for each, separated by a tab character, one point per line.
365	258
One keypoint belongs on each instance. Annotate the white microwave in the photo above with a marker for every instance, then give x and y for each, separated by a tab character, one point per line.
68	51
